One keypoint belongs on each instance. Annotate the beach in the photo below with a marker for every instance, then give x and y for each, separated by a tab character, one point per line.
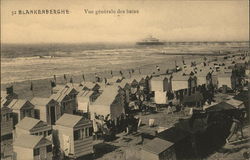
21	65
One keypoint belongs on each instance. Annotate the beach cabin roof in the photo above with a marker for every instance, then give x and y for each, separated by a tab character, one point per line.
222	106
236	103
85	93
157	145
180	78
115	79
173	134
17	104
108	95
137	77
161	78
3	101
30	141
60	95
28	123
70	120
90	85
38	101
124	84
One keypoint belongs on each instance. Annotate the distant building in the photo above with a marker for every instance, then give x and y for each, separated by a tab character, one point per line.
47	109
158	149
29	147
32	126
75	135
21	108
67	98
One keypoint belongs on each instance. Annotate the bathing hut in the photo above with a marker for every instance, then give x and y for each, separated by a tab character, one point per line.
225	80
28	147
67	99
47	109
110	102
21	108
180	82
84	98
160	83
75	135
32	126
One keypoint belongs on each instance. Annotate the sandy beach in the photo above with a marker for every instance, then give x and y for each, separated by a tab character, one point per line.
42	86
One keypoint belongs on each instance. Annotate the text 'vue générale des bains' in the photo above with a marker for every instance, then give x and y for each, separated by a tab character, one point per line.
111	11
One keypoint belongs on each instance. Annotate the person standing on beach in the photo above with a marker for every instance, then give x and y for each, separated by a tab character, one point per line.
158	68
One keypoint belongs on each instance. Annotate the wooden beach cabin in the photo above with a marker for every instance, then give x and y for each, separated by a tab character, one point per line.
84	98
225	80
30	147
32	126
47	109
67	98
127	90
6	130
158	149
111	101
75	135
21	108
180	82
161	83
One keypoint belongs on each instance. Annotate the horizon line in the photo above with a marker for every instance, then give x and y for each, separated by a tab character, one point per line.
195	41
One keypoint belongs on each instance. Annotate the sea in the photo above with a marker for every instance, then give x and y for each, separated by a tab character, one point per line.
22	62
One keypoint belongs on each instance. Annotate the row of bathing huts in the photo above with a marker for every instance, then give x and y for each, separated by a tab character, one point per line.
67	120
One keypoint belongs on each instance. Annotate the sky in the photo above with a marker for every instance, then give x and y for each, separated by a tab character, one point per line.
180	20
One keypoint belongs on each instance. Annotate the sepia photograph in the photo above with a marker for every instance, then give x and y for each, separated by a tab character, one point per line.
125	80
